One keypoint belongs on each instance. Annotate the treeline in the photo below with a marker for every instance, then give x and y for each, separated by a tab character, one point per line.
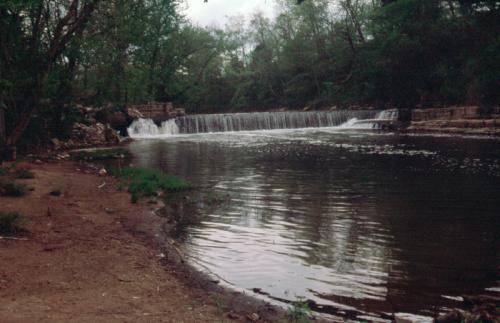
55	54
399	54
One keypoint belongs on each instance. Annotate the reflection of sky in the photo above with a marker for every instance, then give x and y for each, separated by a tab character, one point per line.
216	11
272	241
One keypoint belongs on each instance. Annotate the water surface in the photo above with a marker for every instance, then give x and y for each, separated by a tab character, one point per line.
356	221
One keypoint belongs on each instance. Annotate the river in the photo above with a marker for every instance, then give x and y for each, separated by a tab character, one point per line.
359	222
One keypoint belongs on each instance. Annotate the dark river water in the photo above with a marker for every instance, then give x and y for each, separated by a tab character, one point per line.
354	221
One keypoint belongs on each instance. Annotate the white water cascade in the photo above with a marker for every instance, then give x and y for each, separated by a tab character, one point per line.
144	128
382	120
206	123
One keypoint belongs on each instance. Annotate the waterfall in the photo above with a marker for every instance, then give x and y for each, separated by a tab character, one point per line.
143	128
392	114
385	119
205	123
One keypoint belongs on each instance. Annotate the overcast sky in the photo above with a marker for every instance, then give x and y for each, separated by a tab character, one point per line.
215	11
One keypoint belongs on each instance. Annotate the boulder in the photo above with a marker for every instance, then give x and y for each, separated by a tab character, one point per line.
134	113
111	136
452	317
179	112
97	134
56	143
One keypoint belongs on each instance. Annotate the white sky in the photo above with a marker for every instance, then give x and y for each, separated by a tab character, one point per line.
215	11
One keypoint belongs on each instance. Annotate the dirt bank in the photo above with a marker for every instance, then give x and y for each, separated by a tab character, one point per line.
90	255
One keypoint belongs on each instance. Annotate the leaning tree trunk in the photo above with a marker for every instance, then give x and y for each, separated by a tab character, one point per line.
3	132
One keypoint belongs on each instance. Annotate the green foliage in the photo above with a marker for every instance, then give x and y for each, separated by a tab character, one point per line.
13	189
299	312
148	182
10	223
100	154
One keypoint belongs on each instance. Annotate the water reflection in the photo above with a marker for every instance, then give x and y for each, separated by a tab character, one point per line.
378	223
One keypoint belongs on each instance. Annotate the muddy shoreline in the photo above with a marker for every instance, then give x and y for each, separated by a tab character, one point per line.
77	247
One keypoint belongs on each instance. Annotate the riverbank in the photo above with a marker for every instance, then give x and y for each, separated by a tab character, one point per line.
88	254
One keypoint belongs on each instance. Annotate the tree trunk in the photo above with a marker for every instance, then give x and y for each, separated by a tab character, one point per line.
3	131
2	134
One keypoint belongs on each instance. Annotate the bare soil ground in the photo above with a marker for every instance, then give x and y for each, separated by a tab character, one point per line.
90	255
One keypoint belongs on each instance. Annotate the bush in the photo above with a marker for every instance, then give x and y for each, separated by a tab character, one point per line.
147	182
12	189
10	223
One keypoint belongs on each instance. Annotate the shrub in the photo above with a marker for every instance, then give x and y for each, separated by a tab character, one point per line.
10	223
12	189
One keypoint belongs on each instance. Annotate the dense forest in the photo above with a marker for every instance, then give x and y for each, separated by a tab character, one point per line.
58	54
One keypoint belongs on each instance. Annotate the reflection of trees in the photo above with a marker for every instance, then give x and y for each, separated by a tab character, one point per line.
444	239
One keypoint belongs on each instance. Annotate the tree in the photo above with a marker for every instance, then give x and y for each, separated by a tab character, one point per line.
34	35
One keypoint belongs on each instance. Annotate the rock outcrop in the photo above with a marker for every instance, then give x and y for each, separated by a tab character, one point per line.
471	120
82	136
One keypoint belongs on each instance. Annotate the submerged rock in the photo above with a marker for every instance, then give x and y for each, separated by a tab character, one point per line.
412	318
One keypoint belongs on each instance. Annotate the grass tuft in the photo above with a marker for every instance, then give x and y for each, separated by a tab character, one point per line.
24	173
12	189
10	223
100	154
299	312
148	182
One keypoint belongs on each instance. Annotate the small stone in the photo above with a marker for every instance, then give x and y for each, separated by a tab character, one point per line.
103	172
38	162
233	316
56	143
55	193
254	317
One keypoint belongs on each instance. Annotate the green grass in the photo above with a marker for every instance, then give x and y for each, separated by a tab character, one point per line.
299	312
18	173
10	223
147	182
100	154
12	189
